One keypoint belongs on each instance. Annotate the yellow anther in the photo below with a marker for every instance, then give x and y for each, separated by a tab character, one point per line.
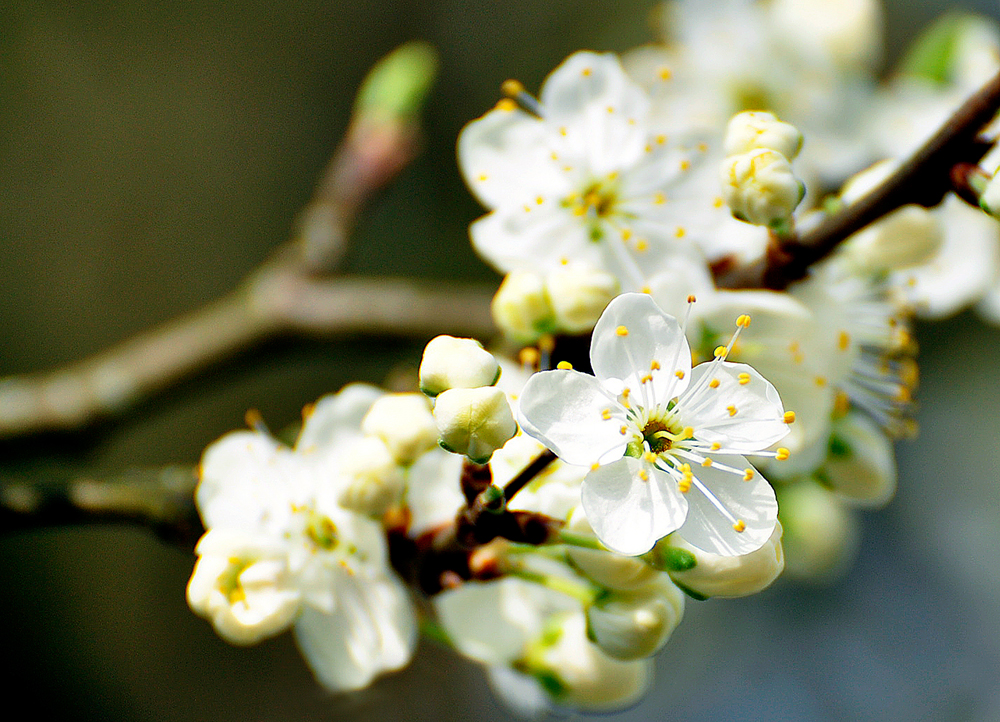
643	475
680	232
716	446
782	454
595	466
527	209
580	210
611	109
664	74
649	457
562	130
554	156
820	381
529	357
646	379
564	261
659	199
740	526
904	396
731	409
718	202
744	379
586	72
691	298
685	164
646	289
642	246
684	486
506	104
606	414
622	331
483	176
539	200
307	411
743	320
748	474
687	433
626	233
679	373
702	147
706	463
720	352
654	365
564	365
613	175
511	88
623	430
713	384
841	403
843	340
789	417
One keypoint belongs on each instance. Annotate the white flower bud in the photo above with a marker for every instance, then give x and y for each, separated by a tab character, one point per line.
719	576
241	587
372	480
474	422
861	465
606	568
637	623
989	199
821	535
521	307
456	363
579	295
405	423
760	188
758	129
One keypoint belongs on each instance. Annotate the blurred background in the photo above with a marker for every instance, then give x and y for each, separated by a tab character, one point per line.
151	154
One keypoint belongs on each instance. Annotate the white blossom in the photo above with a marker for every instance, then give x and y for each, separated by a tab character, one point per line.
760	188
474	422
759	129
636	623
665	443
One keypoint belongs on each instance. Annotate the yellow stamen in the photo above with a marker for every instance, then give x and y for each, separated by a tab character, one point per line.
606	414
713	384
622	331
744	379
716	446
623	430
731	409
743	320
654	365
665	74
506	105
740	526
748	475
720	352
843	340
789	417
511	88
706	463
679	373
782	454
564	365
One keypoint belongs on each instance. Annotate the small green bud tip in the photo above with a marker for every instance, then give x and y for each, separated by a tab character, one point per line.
397	85
672	559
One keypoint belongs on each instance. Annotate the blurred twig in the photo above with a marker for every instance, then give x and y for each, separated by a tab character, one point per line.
293	292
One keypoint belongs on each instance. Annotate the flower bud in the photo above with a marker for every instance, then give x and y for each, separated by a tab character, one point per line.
241	587
760	188
719	576
861	465
606	568
754	129
521	307
635	624
474	422
404	422
372	479
579	295
821	535
456	363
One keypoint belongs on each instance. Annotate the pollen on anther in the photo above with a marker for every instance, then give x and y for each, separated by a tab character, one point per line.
679	373
562	130
843	340
743	320
716	446
706	463
611	109
646	379
748	475
680	232
665	74
659	199
506	104
511	87
740	526
687	433
702	147
782	454
789	417
720	352
626	233
595	466
483	176
731	409
685	164
718	202
744	379
661	139
586	72
622	331
642	246
820	381
714	384
654	365
623	430
539	200
564	365
606	414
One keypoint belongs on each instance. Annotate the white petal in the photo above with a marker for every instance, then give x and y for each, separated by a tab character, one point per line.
752	502
239	479
539	239
627	512
564	410
372	630
743	417
336	414
631	334
506	159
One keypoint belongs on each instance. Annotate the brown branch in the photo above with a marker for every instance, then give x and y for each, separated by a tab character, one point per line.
923	179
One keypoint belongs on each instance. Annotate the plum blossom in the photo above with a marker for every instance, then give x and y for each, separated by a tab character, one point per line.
281	550
665	443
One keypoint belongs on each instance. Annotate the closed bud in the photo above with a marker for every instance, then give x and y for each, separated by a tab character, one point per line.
404	422
636	623
474	422
861	464
521	307
728	576
758	129
579	295
372	479
456	363
821	534
760	188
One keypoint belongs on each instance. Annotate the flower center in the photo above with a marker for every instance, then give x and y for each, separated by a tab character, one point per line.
658	437
596	201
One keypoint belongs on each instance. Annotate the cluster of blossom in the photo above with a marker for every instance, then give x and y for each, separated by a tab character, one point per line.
548	517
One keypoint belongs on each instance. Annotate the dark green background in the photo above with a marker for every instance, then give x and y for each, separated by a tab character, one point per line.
151	154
